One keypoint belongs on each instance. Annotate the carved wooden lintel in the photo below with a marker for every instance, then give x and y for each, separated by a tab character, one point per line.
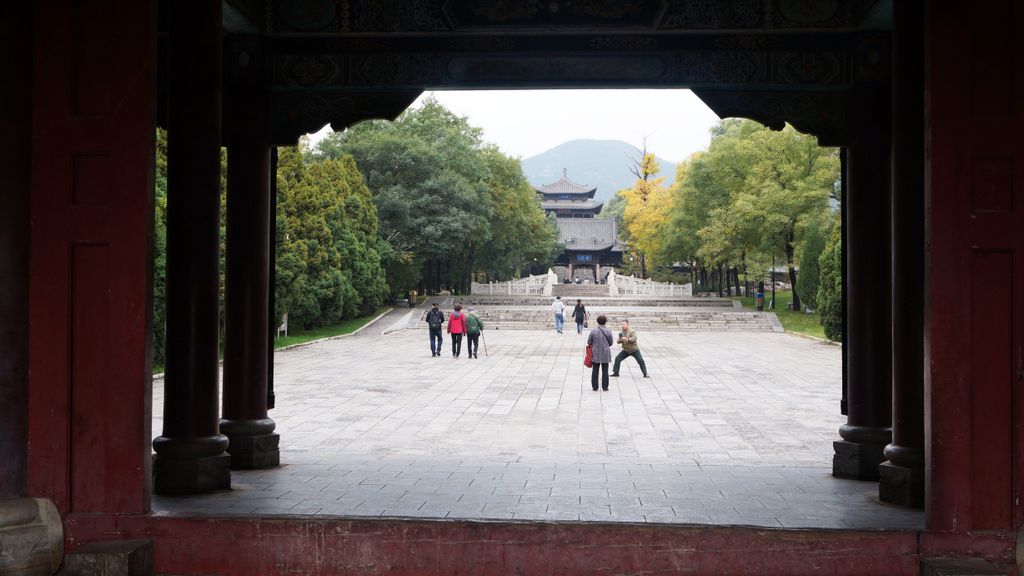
823	114
293	114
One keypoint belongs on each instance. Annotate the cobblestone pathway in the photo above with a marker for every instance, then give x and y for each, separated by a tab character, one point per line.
731	428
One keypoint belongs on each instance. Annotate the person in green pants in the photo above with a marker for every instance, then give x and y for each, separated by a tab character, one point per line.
629	348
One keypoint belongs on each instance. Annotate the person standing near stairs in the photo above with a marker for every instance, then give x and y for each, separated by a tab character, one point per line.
629	348
579	314
558	307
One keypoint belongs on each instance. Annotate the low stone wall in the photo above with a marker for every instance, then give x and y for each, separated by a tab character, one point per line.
536	285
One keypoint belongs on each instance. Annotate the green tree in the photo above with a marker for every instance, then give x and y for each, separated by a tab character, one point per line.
830	289
815	235
522	235
329	260
160	252
449	206
790	183
749	197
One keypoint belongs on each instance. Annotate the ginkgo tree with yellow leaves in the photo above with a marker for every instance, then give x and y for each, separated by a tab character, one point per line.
647	207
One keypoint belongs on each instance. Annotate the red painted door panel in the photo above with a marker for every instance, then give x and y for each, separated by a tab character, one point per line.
975	181
92	165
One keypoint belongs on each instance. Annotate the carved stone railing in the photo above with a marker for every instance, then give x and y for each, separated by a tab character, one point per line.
539	285
631	286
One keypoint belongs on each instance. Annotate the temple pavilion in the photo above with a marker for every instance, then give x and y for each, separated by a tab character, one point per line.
590	242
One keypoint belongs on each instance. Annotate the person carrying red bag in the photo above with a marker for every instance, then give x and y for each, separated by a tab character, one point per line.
600	342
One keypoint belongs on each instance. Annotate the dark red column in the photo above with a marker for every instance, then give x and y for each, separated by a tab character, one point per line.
190	453
15	181
93	129
902	475
974	182
869	321
247	298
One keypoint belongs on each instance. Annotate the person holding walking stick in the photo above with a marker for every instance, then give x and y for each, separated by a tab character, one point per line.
474	327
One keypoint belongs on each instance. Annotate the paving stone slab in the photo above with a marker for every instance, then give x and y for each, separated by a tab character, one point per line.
732	428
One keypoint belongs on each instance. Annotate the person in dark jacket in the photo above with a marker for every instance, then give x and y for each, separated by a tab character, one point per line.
435	321
579	314
456	328
600	341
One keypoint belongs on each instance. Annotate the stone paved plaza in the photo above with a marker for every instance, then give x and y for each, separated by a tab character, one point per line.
732	428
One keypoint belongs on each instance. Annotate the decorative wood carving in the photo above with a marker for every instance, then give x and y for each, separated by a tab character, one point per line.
822	114
293	114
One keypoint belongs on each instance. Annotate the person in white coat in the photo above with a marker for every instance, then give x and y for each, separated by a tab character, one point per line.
558	307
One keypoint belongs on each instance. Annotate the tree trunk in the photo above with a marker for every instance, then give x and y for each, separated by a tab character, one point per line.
792	275
728	280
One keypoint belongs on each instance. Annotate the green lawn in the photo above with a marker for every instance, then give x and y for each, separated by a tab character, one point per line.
792	320
301	336
297	335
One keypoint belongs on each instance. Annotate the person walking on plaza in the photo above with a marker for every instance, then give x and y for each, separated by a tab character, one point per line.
558	307
474	326
579	313
629	348
456	328
435	320
600	342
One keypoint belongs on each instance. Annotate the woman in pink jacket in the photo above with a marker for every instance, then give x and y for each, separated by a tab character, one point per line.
457	327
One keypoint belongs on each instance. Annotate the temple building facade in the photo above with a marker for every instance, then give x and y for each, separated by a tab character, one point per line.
590	242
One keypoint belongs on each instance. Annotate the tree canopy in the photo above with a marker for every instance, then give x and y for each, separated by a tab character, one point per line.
754	195
450	206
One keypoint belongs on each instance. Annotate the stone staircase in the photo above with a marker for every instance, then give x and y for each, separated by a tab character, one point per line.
649	318
573	291
591	302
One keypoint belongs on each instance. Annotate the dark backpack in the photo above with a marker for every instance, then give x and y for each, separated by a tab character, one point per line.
434	319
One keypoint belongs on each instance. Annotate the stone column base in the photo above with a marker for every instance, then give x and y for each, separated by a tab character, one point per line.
901	485
856	460
31	537
249	452
177	477
114	558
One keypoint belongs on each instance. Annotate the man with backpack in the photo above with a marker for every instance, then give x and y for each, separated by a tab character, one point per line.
474	325
435	320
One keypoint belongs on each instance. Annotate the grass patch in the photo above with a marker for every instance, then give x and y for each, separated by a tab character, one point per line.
792	320
299	336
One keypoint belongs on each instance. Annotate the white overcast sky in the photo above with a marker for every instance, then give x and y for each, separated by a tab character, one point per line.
527	122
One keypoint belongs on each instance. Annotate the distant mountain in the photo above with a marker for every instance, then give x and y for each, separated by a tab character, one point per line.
601	163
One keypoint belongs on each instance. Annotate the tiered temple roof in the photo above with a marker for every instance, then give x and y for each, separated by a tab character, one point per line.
564	186
589	234
568	199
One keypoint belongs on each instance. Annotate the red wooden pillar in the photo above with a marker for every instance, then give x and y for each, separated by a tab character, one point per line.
253	443
190	452
92	193
975	226
869	338
15	183
902	474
